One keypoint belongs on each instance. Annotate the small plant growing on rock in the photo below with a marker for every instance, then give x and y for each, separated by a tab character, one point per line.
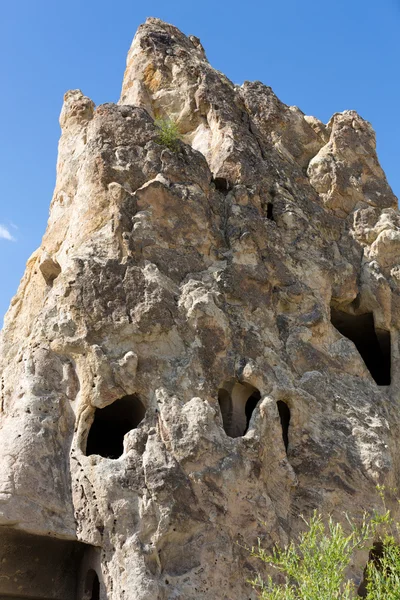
315	566
169	135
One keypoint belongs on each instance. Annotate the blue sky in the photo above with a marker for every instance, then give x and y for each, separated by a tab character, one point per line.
322	56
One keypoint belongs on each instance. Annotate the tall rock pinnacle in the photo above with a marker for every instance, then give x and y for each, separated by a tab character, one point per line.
204	347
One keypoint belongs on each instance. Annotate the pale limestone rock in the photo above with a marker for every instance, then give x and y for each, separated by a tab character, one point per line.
49	267
346	172
175	275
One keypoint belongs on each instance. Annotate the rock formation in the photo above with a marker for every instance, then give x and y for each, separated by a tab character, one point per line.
204	347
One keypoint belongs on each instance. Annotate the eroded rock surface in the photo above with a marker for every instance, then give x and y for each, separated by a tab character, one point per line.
188	295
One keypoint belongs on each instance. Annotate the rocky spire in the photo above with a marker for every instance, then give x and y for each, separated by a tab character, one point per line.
205	344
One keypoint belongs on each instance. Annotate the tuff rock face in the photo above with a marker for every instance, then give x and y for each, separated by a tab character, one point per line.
188	282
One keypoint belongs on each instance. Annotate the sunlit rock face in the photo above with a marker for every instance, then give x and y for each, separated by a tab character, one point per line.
205	346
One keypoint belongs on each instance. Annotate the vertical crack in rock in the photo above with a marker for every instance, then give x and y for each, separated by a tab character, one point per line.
175	382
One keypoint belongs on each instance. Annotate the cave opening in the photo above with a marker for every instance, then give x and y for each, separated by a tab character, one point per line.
237	402
39	567
375	555
92	586
372	343
251	403
270	211
110	424
284	415
222	184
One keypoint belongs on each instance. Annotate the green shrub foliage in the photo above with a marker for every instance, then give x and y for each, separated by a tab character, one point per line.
383	574
315	566
168	133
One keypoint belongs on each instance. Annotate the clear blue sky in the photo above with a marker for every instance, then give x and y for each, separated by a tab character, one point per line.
322	56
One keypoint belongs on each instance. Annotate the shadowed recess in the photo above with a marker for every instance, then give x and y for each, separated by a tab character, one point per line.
106	435
284	415
251	403
372	344
222	184
237	402
92	586
270	211
39	567
375	554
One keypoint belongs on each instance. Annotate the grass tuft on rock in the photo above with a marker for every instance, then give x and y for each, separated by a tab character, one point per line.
169	135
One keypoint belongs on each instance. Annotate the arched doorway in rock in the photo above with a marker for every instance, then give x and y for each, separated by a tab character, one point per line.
92	586
372	343
237	402
111	423
284	415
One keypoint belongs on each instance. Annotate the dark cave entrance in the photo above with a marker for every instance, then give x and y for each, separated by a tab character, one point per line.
372	344
106	435
39	567
251	403
237	402
92	586
222	184
225	406
375	554
284	415
270	211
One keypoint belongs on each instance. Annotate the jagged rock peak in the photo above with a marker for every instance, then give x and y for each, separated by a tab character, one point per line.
205	345
246	132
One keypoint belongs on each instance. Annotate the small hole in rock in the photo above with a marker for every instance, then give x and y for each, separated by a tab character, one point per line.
237	402
106	435
270	211
284	414
222	184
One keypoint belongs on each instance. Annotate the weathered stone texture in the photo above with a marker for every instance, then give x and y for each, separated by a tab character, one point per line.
167	276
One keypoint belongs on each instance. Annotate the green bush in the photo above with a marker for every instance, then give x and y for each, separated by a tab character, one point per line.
315	566
383	575
169	135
